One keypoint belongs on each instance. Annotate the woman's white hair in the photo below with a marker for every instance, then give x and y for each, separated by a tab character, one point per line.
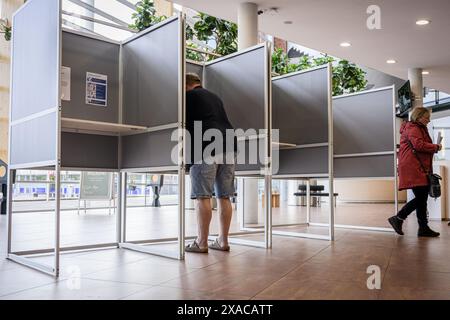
419	112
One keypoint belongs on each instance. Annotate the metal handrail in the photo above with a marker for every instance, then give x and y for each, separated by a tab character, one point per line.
203	52
48	182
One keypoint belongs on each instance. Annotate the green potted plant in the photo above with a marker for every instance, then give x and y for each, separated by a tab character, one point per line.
145	15
347	76
223	32
5	29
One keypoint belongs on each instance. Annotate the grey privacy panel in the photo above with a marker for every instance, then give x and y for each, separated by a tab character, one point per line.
305	161
364	167
194	68
240	82
363	123
34	141
82	55
150	79
250	157
89	151
35	62
300	107
147	150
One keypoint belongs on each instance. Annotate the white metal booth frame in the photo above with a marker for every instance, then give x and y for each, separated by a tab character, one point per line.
348	155
384	98
291	144
253	68
41	124
214	74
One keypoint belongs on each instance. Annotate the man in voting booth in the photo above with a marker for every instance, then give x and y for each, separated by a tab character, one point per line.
212	169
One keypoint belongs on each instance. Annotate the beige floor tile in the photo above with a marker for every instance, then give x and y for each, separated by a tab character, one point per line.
417	279
356	272
405	293
22	278
145	272
256	262
315	289
166	293
87	290
226	282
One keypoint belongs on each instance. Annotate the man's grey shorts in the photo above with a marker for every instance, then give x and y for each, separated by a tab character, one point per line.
207	177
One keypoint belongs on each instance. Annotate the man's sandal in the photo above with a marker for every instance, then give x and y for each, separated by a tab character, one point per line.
216	246
195	248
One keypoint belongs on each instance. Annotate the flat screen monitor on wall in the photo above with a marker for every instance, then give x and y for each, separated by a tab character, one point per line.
404	99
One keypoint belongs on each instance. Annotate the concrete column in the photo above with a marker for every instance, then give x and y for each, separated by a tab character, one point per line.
251	203
293	188
248	200
284	191
247	25
416	79
248	37
163	8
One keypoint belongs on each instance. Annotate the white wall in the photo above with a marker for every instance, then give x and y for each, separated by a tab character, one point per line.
369	191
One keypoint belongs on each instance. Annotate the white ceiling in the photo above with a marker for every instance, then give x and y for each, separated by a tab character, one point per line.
323	24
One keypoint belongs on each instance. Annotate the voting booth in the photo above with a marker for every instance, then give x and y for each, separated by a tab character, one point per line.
303	114
332	138
243	82
85	103
365	140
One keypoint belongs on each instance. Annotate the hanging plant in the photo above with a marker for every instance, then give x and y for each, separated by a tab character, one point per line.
5	29
347	77
280	62
145	15
224	33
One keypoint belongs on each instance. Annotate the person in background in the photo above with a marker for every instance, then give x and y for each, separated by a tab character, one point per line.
203	106
414	134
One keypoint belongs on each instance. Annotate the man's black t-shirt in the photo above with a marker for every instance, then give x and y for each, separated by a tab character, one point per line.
206	107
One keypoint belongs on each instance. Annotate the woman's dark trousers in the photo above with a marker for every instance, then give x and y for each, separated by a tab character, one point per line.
419	203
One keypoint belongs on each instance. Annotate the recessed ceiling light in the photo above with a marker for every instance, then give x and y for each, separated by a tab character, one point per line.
425	73
288	22
391	61
345	44
422	22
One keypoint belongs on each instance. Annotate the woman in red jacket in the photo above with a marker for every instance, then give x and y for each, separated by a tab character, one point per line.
415	135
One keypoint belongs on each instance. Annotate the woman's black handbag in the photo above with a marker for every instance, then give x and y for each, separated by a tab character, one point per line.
435	185
433	178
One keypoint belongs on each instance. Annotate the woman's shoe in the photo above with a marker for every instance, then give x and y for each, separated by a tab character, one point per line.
396	224
427	232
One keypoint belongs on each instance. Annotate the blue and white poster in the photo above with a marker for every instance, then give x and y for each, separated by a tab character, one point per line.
96	89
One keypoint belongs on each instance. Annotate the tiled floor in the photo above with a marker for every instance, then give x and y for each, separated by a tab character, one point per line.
295	268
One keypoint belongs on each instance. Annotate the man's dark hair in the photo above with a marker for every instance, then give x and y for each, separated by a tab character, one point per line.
193	79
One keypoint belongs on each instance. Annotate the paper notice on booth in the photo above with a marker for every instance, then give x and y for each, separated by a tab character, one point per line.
65	83
439	138
96	89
